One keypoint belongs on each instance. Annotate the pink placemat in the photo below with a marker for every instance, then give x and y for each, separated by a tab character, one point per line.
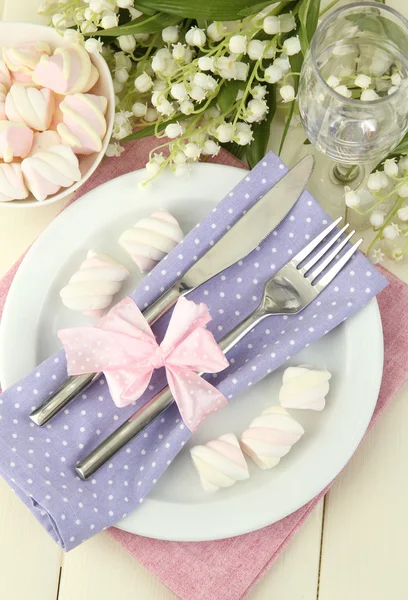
227	569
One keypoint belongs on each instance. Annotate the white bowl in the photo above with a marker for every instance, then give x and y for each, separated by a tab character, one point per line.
13	34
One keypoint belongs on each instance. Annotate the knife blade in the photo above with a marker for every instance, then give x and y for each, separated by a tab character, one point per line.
253	227
239	241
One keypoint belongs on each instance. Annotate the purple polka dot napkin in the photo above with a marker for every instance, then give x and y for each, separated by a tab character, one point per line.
38	462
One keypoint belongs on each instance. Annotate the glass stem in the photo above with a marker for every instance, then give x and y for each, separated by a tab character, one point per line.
344	174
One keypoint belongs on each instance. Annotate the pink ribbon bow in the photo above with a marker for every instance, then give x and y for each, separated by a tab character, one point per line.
123	346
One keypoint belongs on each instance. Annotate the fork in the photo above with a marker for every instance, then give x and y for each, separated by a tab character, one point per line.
289	291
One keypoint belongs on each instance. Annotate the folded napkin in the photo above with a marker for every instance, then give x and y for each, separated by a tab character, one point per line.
38	463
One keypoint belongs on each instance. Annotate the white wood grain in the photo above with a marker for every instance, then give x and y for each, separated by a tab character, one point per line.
366	524
29	559
100	567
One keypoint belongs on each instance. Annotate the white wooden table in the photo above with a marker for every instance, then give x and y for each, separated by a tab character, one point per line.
353	547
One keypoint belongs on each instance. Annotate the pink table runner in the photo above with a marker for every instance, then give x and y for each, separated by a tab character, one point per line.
227	569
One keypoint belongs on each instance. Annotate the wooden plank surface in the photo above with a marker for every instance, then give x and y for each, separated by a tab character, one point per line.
363	554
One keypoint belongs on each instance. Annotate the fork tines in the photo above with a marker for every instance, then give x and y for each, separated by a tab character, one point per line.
328	258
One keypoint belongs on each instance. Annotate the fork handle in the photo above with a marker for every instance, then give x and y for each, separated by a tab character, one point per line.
154	407
76	384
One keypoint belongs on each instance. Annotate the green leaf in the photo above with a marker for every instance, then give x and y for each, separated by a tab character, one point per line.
401	148
143	24
146	11
308	17
296	62
255	8
151	129
215	10
228	94
256	150
235	149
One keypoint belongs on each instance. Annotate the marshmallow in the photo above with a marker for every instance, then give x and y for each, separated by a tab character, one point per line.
57	117
270	436
91	289
31	106
304	388
3	94
12	186
22	60
47	171
151	239
220	463
84	123
67	71
5	78
43	140
16	140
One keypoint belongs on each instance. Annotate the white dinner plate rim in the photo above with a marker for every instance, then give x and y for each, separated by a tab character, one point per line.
148	524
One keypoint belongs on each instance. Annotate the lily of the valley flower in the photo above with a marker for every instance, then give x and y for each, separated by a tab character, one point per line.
377	181
391	167
195	37
288	93
351	197
391	232
377	256
377	218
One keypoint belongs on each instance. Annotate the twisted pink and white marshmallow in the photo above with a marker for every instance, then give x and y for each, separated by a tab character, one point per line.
31	106
49	170
5	77
84	124
67	71
270	436
220	463
16	140
91	289
304	388
12	186
151	239
22	60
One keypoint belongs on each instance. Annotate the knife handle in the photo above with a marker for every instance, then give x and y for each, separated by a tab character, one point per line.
76	384
124	434
163	303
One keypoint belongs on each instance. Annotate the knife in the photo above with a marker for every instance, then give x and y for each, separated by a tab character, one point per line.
239	241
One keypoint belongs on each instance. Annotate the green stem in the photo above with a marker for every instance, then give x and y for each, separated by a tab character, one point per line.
287	125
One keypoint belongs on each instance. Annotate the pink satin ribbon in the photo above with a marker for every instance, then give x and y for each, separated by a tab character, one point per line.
123	346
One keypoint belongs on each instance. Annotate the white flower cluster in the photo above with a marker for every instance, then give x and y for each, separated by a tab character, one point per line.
365	87
184	77
89	15
173	83
388	209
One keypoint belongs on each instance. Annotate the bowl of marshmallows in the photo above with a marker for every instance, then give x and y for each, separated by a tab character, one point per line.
56	114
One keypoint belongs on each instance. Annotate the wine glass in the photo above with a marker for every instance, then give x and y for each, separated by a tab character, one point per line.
358	39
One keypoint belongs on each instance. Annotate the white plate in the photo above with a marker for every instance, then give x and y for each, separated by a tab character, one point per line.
177	508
